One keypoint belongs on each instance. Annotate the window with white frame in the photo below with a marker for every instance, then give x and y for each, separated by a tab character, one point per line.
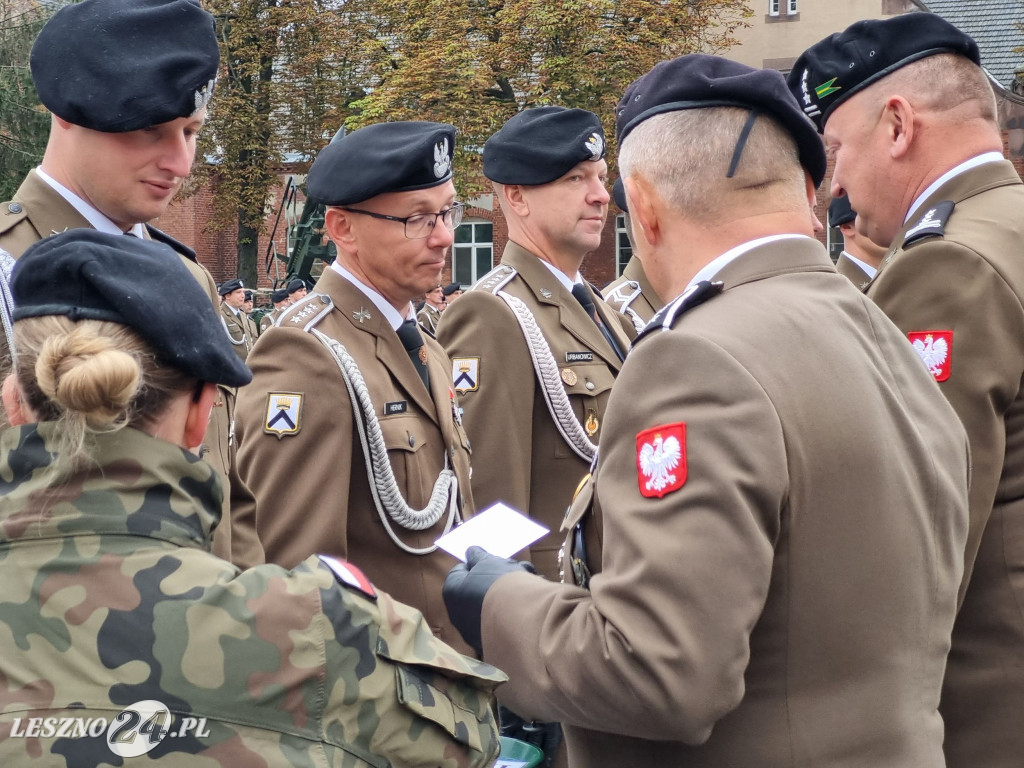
623	248
773	7
792	7
473	252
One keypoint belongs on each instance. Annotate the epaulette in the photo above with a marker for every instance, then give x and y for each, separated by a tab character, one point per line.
163	237
307	313
932	224
692	297
13	214
496	279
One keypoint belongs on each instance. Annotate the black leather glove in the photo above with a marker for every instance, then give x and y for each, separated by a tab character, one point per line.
545	736
467	584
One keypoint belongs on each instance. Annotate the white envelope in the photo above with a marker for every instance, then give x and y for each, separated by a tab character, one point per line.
499	529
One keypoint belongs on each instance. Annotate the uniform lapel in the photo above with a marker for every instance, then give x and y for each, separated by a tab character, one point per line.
49	213
366	318
803	254
549	291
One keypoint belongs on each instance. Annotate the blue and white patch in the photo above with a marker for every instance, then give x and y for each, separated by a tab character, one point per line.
465	374
284	413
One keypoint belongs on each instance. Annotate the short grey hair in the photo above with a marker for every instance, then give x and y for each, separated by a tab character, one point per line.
685	156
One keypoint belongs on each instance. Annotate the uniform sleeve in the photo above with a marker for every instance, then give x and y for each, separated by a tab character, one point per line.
659	646
498	415
938	285
300	482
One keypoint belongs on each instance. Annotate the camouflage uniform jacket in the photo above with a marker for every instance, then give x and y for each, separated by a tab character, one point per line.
112	598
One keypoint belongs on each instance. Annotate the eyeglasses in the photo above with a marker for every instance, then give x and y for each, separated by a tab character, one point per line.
419	225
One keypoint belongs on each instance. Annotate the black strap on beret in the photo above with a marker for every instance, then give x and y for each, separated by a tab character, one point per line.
741	143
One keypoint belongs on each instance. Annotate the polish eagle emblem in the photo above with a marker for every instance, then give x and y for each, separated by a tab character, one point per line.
595	146
442	162
661	460
933	348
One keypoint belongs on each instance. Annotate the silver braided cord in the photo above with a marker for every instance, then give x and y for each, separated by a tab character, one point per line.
6	299
638	322
387	496
550	384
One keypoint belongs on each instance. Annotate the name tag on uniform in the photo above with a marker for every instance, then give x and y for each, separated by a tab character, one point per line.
579	357
399	406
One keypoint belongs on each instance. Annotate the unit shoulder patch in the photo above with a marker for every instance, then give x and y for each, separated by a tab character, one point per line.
661	459
931	224
936	351
284	413
465	374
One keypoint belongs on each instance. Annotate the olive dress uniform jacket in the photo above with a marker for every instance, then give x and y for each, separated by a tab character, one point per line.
632	295
237	327
38	211
117	600
269	319
783	594
851	270
311	488
967	279
519	457
428	317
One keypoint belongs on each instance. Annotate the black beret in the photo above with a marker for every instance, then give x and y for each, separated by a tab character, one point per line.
619	194
122	65
840	212
248	295
386	157
700	81
542	144
451	288
295	285
281	294
230	285
831	71
88	275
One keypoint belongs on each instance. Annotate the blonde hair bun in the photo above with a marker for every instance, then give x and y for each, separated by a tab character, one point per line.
86	373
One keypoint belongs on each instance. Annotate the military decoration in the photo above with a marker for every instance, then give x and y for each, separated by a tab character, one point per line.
456	411
591	424
936	351
569	376
465	374
361	316
284	414
661	459
546	293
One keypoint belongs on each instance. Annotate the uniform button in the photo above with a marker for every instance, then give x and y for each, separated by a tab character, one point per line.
590	386
15	208
324	299
412	441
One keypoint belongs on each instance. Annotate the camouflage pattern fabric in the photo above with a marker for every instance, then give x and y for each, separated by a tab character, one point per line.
111	598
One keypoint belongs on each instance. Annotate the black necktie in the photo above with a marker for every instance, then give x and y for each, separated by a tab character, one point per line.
582	295
413	343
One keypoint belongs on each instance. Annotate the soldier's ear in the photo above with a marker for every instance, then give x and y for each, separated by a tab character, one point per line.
17	409
338	223
198	417
645	210
516	199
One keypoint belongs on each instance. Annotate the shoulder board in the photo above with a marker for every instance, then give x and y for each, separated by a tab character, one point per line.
11	214
349	576
496	279
932	224
692	297
307	313
166	239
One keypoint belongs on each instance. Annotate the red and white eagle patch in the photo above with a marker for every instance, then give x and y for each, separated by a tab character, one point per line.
661	459
935	349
